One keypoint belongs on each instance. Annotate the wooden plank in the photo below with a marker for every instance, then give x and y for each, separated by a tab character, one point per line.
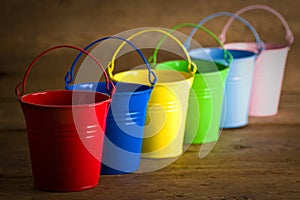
257	162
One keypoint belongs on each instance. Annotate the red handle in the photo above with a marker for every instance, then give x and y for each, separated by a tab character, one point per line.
23	83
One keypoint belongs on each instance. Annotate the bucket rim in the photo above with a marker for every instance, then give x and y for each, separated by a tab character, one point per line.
147	87
226	68
207	49
277	46
63	106
158	83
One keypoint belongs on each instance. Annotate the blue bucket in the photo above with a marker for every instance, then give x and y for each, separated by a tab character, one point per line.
239	80
125	120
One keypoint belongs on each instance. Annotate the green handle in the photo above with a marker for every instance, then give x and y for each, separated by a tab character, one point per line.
227	54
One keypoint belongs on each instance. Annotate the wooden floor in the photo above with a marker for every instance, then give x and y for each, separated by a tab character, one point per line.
259	161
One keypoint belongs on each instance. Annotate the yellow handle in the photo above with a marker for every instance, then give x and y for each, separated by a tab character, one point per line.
191	65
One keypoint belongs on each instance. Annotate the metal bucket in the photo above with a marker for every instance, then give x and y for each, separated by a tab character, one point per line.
65	132
206	96
269	67
239	79
125	120
167	107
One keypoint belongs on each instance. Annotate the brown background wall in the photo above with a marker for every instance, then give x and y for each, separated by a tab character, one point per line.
29	26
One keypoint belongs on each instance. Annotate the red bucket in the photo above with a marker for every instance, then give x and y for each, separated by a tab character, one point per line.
65	133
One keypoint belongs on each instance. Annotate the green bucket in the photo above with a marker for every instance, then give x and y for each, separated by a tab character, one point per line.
205	100
206	96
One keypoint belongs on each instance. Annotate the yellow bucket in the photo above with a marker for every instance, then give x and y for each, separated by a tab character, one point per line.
167	106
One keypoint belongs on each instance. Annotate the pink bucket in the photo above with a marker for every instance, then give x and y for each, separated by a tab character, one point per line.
269	67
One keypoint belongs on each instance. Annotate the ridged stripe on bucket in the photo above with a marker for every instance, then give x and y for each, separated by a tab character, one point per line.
128	118
35	129
170	105
203	93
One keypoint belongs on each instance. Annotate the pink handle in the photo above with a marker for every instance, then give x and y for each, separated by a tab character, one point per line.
289	35
23	83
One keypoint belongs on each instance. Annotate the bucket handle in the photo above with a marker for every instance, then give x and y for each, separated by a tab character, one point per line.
190	63
23	83
259	43
227	55
288	36
70	74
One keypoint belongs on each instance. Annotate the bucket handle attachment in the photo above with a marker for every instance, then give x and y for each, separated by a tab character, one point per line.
70	74
259	43
227	55
190	63
23	83
288	36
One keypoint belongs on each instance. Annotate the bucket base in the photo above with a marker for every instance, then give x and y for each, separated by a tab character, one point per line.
53	189
204	142
237	125
105	170
159	155
263	114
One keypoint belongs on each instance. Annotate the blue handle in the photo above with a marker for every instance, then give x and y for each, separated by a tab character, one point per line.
260	44
70	74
